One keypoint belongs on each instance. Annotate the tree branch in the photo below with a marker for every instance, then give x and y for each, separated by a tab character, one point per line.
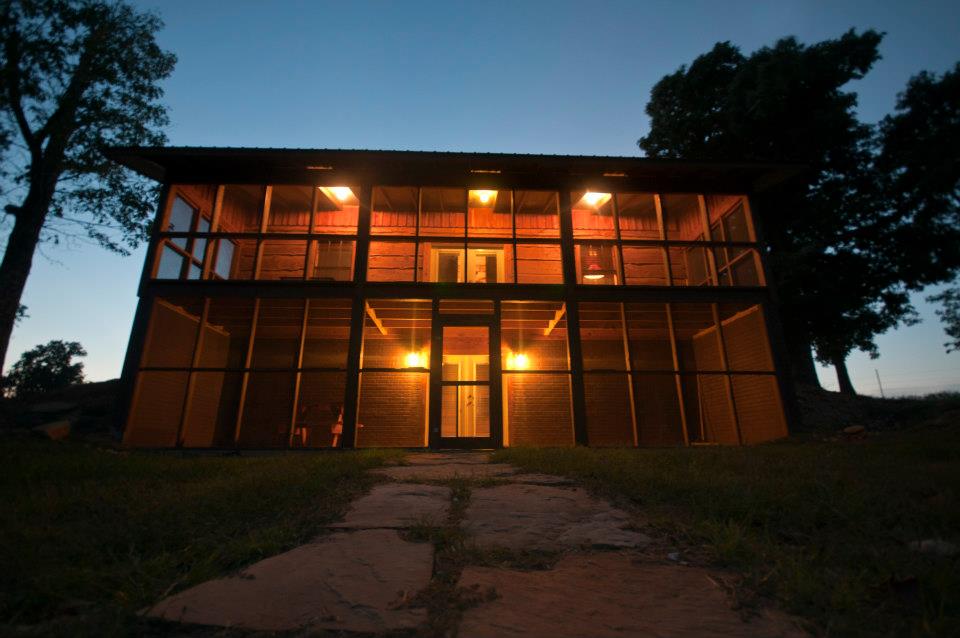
12	72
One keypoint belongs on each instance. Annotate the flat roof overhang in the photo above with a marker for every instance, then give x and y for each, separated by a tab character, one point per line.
179	164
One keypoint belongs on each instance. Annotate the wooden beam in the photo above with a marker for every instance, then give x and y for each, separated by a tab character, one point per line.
376	320
557	316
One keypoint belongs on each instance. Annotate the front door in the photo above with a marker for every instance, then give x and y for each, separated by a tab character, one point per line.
465	389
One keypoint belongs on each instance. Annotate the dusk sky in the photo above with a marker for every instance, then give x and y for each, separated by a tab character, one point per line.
524	77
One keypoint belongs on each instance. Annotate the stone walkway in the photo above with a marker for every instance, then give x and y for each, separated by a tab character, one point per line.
594	578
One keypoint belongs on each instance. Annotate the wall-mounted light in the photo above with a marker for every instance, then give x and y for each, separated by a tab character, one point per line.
415	360
517	361
596	200
485	198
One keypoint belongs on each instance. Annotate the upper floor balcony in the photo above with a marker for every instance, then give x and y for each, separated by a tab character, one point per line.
455	235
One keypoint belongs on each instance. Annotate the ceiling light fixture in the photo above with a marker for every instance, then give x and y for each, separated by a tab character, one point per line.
483	197
596	199
340	194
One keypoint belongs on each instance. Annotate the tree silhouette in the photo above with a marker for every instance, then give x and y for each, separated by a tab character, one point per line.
46	367
75	76
838	246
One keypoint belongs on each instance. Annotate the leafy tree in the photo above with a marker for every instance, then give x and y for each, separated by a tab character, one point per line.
45	368
920	162
75	76
786	103
949	313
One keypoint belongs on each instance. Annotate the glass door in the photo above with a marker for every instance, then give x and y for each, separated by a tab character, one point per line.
465	395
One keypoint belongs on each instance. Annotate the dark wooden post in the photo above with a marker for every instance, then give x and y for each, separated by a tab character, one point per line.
573	319
357	313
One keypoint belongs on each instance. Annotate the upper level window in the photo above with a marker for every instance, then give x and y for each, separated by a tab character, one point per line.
593	215
454	235
182	257
477	235
242	208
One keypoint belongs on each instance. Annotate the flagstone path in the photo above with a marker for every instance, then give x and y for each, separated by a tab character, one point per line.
593	577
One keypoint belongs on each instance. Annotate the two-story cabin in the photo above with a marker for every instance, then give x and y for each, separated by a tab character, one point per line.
309	299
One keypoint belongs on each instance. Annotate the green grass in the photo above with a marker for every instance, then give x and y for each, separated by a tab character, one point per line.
821	527
90	536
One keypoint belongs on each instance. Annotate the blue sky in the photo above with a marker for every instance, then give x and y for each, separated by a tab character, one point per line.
529	77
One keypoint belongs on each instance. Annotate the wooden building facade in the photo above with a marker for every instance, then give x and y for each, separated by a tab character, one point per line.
309	299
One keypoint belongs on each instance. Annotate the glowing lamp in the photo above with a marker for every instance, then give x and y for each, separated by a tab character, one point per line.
484	197
343	193
517	361
415	360
597	262
596	199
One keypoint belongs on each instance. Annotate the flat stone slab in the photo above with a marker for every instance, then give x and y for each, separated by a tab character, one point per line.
443	458
519	516
540	479
608	595
445	471
346	581
398	505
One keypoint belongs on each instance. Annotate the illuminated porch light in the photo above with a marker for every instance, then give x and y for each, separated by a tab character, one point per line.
596	199
484	197
415	360
342	193
517	361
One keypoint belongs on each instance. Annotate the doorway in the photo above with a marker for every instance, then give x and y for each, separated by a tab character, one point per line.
465	384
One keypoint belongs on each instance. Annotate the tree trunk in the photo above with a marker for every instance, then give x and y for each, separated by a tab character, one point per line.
17	260
843	376
802	365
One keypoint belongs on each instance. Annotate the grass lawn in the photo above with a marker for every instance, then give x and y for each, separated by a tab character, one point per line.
89	536
822	527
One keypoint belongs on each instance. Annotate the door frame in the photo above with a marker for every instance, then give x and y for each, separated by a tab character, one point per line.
492	323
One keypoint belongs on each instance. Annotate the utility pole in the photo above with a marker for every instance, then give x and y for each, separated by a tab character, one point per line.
877	372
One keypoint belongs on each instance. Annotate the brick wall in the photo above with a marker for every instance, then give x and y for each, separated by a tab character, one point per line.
608	410
538	409
393	409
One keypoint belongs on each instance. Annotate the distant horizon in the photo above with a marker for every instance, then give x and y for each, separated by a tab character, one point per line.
436	77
